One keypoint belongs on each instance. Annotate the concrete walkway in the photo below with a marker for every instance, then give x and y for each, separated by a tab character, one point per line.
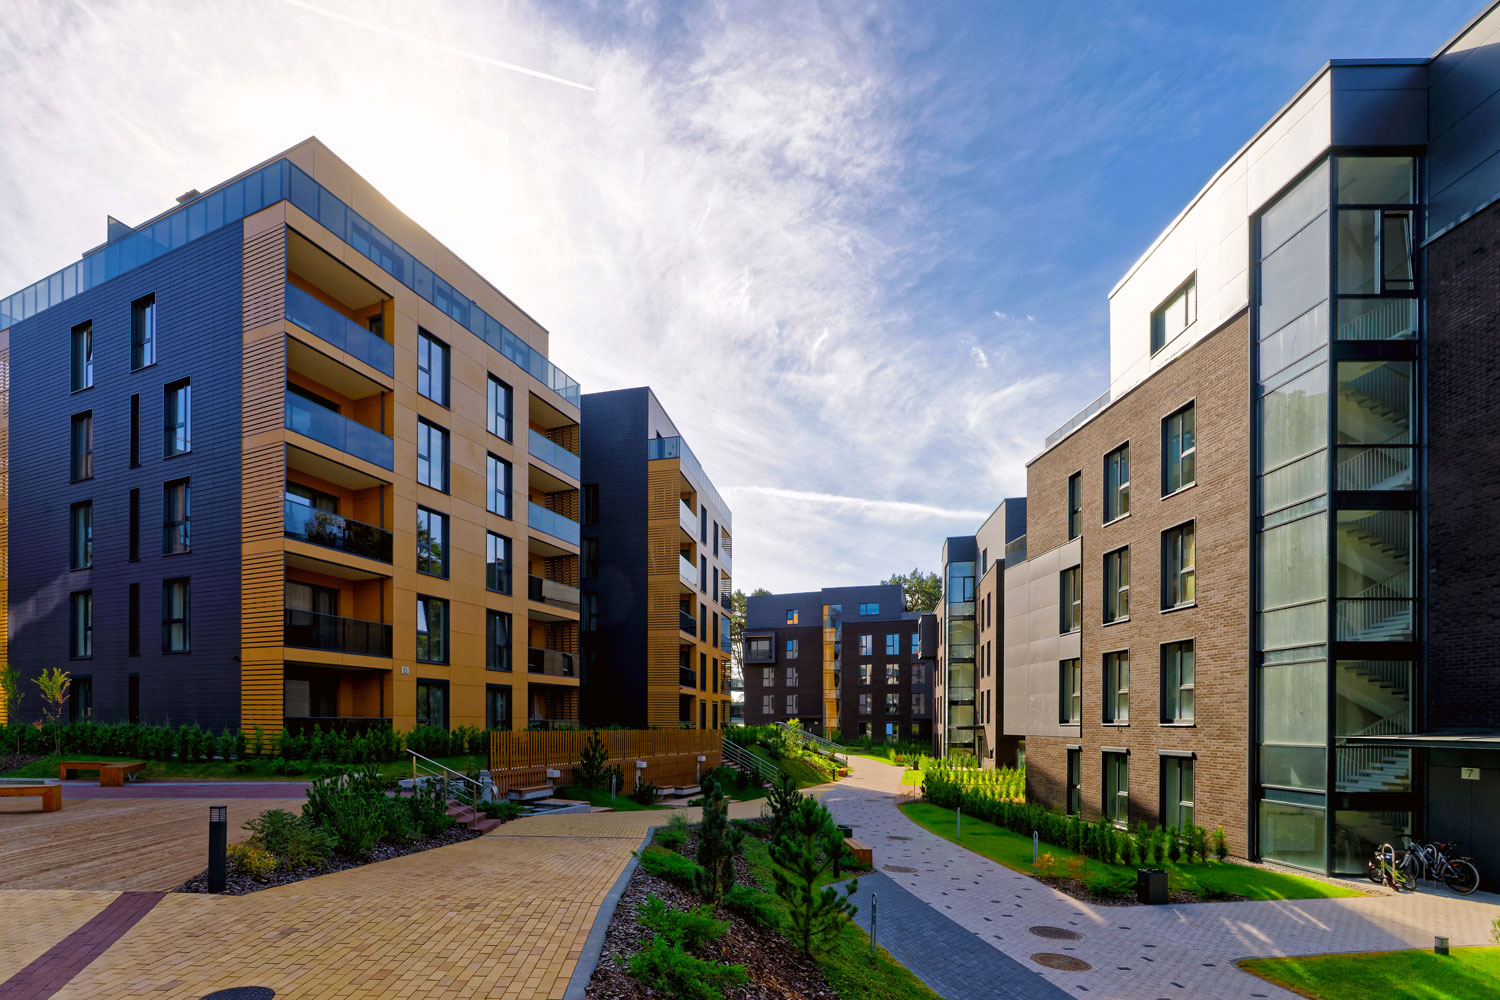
1137	952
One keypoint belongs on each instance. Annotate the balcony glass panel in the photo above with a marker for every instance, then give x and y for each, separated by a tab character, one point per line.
687	623
547	591
321	527
337	431
551	662
676	447
332	326
554	454
310	630
553	524
687	571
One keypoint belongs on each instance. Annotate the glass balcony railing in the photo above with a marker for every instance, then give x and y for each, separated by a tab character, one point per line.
676	447
320	527
337	431
554	454
686	677
551	662
328	324
310	630
687	519
552	523
687	571
687	622
546	591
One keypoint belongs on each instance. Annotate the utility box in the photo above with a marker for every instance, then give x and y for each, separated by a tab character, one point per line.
1151	886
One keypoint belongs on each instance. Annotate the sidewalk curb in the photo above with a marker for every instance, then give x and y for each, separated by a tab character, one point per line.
593	946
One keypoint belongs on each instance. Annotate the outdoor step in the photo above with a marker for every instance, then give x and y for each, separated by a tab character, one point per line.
531	792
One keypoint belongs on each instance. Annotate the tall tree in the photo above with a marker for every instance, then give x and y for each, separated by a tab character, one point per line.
737	605
922	591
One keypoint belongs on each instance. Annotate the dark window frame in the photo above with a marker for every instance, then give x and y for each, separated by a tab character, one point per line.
499	389
426	562
1179	582
1185	456
171	621
498	655
81	446
427	433
1117	496
1075	505
425	613
177	535
177	418
81	548
427	345
143	332
81	625
81	356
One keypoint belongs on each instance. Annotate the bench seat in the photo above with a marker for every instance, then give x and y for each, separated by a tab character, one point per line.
50	792
862	852
112	773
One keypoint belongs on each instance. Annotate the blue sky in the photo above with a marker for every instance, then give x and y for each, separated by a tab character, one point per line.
861	251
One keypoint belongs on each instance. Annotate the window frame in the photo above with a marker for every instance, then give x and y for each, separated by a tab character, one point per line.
81	356
492	464
1189	454
1188	292
1173	686
1115	800
81	548
1073	804
496	388
508	722
1116	688
492	647
81	446
1177	580
867	645
1069	600
492	583
442	561
892	674
1170	762
81	625
791	616
1070	691
791	649
177	418
1116	498
143	332
427	432
425	614
431	684
428	344
1117	585
177	535
1075	505
169	622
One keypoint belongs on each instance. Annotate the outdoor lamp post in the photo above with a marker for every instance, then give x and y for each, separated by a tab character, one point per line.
218	845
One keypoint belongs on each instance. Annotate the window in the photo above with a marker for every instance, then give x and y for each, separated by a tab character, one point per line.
590	503
791	617
1070	690
133	621
1117	483
768	704
919	703
1178	576
176	506
1177	792
143	332
1117	789
791	648
1075	505
791	704
135	430
1117	585
174	616
83	446
432	367
133	699
1070	600
432	703
767	676
81	532
703	671
1177	682
432	455
916	644
81	624
432	537
1117	687
892	645
892	703
864	673
1174	315
497	641
177	426
497	486
135	525
497	563
869	609
496	707
588	620
866	645
892	673
81	699
1178	451
83	356
588	557
864	704
703	574
432	630
791	677
1075	782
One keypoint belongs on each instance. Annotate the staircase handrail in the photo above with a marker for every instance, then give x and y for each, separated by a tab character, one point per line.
465	795
829	747
759	766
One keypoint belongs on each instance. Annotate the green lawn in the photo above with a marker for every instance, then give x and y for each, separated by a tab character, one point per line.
871	755
600	797
1014	851
803	773
1465	974
219	770
913	778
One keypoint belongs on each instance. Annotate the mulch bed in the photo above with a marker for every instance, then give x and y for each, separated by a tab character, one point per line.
237	883
1078	890
14	761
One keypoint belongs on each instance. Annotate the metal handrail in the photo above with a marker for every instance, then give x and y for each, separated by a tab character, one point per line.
818	742
442	771
762	768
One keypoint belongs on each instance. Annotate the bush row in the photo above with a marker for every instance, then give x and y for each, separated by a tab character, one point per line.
1004	782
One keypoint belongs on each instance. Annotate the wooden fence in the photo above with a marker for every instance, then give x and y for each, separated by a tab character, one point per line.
521	760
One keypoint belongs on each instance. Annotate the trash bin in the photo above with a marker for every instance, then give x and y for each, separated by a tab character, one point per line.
1150	886
846	831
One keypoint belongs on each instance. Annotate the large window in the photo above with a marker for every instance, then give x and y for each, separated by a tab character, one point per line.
143	332
865	701
791	676
1178	451
175	598
496	707
767	676
432	703
81	624
768	704
791	648
892	645
791	704
1377	280
869	609
1177	687
81	534
1174	315
1117	687
1177	792
1075	505
893	673
82	356
432	630
1070	691
1116	802
432	368
1074	805
177	514
432	542
864	673
432	455
892	703
1117	585
1070	600
497	641
177	420
1117	483
1178	575
866	645
83	446
497	570
498	411
497	485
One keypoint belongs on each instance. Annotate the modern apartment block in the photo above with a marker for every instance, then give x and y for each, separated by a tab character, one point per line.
277	457
886	688
656	550
1257	567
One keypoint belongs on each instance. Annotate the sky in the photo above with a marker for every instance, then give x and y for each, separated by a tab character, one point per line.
861	251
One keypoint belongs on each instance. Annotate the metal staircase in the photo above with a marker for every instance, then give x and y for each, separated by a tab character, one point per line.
817	743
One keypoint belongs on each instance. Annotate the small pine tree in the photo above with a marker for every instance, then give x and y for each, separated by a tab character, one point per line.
807	847
1158	845
781	802
54	684
1142	843
1221	843
1174	845
593	768
10	687
718	843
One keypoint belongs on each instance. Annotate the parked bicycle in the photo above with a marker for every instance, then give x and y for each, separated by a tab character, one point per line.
1433	861
1390	867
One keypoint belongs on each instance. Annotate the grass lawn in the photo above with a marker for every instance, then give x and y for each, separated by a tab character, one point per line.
871	755
1465	974
219	770
1014	851
600	797
913	778
803	773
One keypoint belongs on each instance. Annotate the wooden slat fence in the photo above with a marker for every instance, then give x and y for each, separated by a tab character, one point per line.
521	760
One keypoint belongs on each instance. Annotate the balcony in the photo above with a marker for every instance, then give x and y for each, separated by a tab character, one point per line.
553	454
687	623
310	630
551	523
303	416
960	695
686	677
321	527
687	572
687	520
333	327
551	662
756	653
551	592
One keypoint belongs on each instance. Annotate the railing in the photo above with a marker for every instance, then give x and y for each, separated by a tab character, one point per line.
1015	550
725	645
459	787
1374	619
726	556
686	677
687	520
753	655
687	571
311	630
320	527
551	725
1352	762
329	325
551	592
1392	319
553	454
815	742
1371	467
1078	419
552	662
749	762
687	622
552	523
337	431
676	447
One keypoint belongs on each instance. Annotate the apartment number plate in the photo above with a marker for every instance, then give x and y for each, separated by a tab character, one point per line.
1469	773
407	670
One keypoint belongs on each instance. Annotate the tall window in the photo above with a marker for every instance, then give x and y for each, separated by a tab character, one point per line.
893	673
432	630
143	332
590	503
791	677
864	704
83	356
768	704
135	430
1178	575
1177	792
1178	451
432	703
176	411
892	645
791	704
83	446
497	485
1117	585
1070	600
432	455
432	542
864	673
1075	505
174	616
767	676
81	624
892	703
1070	691
1117	687
497	563
432	368
81	533
1174	315
497	417
497	641
1177	687
133	621
135	525
791	648
1117	789
1075	782
866	645
497	707
1117	483
176	506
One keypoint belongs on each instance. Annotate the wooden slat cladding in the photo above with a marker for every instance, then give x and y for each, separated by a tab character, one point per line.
265	278
518	760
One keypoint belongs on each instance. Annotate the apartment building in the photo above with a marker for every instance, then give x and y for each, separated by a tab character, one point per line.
1230	608
278	458
656	552
886	688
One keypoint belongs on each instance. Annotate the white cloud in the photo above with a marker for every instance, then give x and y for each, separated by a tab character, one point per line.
980	358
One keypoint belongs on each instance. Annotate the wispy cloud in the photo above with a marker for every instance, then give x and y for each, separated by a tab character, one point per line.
885	509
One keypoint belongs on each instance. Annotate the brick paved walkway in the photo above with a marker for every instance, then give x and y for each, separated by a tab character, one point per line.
51	970
1138	952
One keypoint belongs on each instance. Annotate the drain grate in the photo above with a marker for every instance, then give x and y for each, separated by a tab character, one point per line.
1062	963
242	993
1056	933
896	836
900	868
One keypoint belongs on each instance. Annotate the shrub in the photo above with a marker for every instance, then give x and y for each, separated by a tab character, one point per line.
671	972
1075	868
669	865
399	822
428	808
1221	844
694	929
1045	865
351	807
291	838
593	767
781	803
1110	885
718	843
253	860
1198	844
1158	845
646	793
806	847
1212	895
674	835
1174	845
752	904
503	811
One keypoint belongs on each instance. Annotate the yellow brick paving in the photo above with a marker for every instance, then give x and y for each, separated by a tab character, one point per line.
35	920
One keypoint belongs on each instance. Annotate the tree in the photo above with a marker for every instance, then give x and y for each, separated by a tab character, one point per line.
10	687
54	684
737	609
593	765
807	847
718	843
922	591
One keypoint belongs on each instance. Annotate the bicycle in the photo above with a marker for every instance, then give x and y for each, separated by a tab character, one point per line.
1432	861
1392	868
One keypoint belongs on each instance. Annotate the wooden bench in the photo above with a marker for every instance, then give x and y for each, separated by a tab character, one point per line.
50	792
112	773
862	852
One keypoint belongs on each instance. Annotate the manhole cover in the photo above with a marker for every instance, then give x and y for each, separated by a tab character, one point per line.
896	836
900	868
1062	963
1056	933
242	993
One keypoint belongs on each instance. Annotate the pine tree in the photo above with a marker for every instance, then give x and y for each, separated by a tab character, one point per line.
718	843
807	847
593	765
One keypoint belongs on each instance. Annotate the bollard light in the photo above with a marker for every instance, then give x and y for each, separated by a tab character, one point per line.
218	847
1440	945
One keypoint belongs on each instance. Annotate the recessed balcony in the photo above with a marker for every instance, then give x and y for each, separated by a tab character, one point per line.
687	572
334	328
550	662
337	431
552	523
552	453
310	630
320	527
558	595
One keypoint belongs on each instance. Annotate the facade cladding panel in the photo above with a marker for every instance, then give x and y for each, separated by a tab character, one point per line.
198	293
1213	375
878	722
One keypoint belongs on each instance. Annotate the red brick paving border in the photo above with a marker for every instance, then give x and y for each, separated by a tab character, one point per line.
64	960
